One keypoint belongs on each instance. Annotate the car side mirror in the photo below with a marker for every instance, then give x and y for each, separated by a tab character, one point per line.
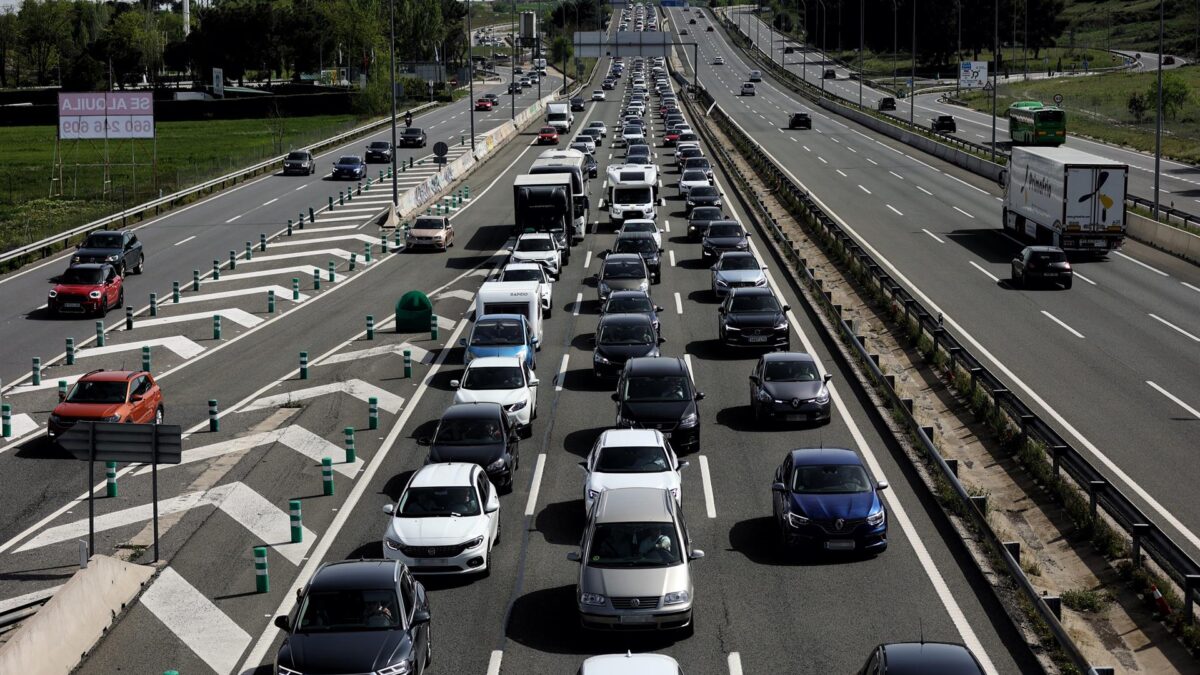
493	504
764	268
661	340
747	235
79	245
696	554
454	384
787	308
777	487
881	485
533	382
754	379
660	251
62	396
574	556
282	623
827	378
389	509
424	440
420	616
135	398
615	396
721	309
583	465
534	340
462	342
683	465
699	396
605	253
657	309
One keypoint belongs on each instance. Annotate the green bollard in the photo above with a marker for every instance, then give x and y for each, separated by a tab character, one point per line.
433	327
37	370
233	260
270	301
297	522
396	239
330	202
216	326
407	363
353	261
359	188
99	333
70	351
262	241
295	288
373	413
410	162
62	389
316	279
311	218
6	420
383	243
466	192
216	270
332	274
262	583
366	252
175	292
214	422
128	317
327	476
110	478
304	365
195	280
154	304
370	326
341	198
249	251
290	226
350	451
146	358
381	175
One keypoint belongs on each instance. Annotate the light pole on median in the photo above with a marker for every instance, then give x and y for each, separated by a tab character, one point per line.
861	53
996	67
912	80
512	91
824	25
895	47
804	45
392	51
470	75
1158	118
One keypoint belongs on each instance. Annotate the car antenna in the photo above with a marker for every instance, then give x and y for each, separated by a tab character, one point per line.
921	626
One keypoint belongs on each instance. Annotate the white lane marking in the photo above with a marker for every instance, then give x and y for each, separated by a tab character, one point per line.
671	254
894	209
965	183
822	159
281	294
22	424
860	187
872	161
1060	322
667	226
195	620
963	212
353	387
270	201
496	657
184	241
991	276
183	347
1194	288
531	502
841	174
1080	276
1195	413
806	149
1139	262
578	304
735	663
233	219
896	175
924	190
1179	330
587	260
239	316
678	304
851	149
935	237
300	188
562	373
710	503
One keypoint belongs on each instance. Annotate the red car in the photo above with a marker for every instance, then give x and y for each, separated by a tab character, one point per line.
130	396
91	288
484	105
671	137
548	136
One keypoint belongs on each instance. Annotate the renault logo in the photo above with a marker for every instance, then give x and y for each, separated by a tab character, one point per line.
635	603
839	523
795	403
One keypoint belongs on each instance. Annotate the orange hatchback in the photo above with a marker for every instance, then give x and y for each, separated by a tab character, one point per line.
130	396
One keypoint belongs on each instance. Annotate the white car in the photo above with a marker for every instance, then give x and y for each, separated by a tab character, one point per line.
630	664
719	61
584	139
540	248
692	178
598	95
532	272
624	458
642	225
748	89
504	380
632	134
601	126
445	522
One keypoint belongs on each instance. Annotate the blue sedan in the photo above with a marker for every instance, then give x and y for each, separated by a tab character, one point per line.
825	499
351	167
501	335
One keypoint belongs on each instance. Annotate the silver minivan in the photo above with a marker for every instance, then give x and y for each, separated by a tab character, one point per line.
634	563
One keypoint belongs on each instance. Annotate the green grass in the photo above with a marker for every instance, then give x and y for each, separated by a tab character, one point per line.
1097	107
1131	24
879	66
1085	600
188	153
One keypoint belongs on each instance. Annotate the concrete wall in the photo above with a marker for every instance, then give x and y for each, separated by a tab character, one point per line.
1164	237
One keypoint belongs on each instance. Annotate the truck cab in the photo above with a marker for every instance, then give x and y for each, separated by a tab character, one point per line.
631	193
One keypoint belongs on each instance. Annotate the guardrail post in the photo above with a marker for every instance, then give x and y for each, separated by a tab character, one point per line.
154	304
1190	583
214	422
1026	421
216	270
1137	531
407	363
70	351
262	241
6	420
1056	453
175	292
332	273
249	251
1054	604
262	583
216	326
327	476
110	479
99	333
146	358
997	394
433	327
980	502
951	464
351	454
195	280
316	278
270	301
233	260
1094	489
353	261
1014	549
373	413
128	318
295	288
370	326
294	514
304	365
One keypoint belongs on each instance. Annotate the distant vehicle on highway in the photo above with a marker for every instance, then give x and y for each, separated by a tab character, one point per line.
708	29
89	289
1168	60
799	120
432	231
379	151
718	60
299	162
412	137
577	103
748	89
824	499
598	95
755	76
1033	123
119	248
1044	264
484	105
886	103
943	124
829	74
789	386
130	396
922	657
548	136
753	317
350	167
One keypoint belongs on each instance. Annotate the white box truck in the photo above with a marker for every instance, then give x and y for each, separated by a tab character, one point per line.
1065	197
559	116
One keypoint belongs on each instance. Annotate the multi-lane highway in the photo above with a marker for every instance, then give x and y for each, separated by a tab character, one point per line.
1110	363
1180	184
202	614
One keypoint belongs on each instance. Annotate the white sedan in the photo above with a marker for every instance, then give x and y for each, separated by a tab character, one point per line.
719	61
642	225
532	272
504	380
445	522
632	134
692	178
601	126
624	458
598	95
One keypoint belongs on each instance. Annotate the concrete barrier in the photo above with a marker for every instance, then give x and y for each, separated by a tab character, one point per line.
1164	237
56	638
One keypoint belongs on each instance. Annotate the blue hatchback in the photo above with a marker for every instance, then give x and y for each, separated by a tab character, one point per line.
501	335
824	498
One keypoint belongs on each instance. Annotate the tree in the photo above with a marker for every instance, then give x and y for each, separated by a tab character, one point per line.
9	33
42	27
560	52
1138	106
1175	94
1049	24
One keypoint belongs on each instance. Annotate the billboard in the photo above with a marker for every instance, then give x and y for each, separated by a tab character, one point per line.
972	74
102	114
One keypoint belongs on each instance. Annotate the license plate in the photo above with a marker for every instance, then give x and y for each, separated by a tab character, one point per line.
433	562
756	338
637	618
71	305
840	545
798	417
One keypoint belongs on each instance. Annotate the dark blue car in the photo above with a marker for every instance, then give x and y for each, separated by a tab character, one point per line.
350	167
825	499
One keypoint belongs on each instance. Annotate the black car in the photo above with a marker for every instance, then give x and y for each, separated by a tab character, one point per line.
922	657
357	616
829	74
493	97
119	248
800	120
691	22
698	164
351	167
590	165
753	317
299	162
632	302
658	393
620	337
700	218
789	386
708	29
943	124
643	244
412	137
593	133
514	87
886	103
379	151
724	235
477	433
577	103
702	195
1046	264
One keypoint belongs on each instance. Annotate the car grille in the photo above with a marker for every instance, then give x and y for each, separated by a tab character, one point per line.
433	551
741	284
642	602
848	526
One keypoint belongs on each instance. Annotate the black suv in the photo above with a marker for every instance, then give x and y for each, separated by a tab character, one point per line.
724	235
943	124
658	393
699	219
800	120
477	433
577	103
886	103
753	317
412	137
299	162
357	616
379	151
643	244
121	249
620	337
1047	264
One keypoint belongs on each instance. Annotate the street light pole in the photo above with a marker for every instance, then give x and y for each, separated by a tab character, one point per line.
512	91
995	67
470	74
824	17
912	80
861	54
1025	40
804	45
895	46
1158	118
392	51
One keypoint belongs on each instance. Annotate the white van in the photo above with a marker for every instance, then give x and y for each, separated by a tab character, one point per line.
631	193
512	297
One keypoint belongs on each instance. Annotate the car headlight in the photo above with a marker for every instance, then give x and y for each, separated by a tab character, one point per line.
402	668
514	407
76	259
797	520
112	418
764	396
676	598
496	465
95	295
593	599
782	324
689	421
644	285
876	519
733	328
474	542
392	543
822	396
53	294
112	258
599	358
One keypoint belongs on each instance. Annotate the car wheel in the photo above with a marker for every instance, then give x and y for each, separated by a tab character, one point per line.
159	415
1014	279
1067	285
141	266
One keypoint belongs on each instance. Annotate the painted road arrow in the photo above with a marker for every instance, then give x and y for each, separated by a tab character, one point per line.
419	354
356	388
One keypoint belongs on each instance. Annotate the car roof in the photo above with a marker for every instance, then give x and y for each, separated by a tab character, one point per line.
751	290
631	318
634	504
500	317
630	664
623	257
729	254
494	362
356	574
913	658
624	438
112	375
788	356
443	475
656	365
473	410
825	456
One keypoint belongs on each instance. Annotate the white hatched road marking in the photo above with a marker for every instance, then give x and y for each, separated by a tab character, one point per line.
356	388
281	293
198	623
182	346
239	316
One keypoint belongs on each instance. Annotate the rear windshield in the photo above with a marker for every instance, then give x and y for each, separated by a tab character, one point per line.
720	230
1048	256
497	333
632	459
624	269
103	240
629	305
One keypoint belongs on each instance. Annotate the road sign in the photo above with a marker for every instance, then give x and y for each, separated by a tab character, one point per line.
218	82
1058	99
105	115
440	149
114	442
972	74
987	86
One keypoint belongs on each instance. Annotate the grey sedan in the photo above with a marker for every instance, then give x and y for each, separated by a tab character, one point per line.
789	386
737	269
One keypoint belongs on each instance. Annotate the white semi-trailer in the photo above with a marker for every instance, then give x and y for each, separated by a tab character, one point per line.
1065	197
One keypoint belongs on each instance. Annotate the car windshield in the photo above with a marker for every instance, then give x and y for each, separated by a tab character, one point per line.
707	213
468	431
493	377
657	388
703	191
412	131
380	145
103	240
738	262
632	195
348	160
791	371
297	155
632	459
497	333
539	244
82	276
626	334
349	610
724	230
429	224
694	176
433	502
830	479
629	304
89	391
753	303
635	245
634	545
624	269
522	275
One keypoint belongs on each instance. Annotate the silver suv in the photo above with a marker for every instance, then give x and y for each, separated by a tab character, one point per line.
634	563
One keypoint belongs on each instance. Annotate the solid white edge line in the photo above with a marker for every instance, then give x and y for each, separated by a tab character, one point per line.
1179	330
991	276
1062	323
1195	413
735	663
562	373
531	501
710	504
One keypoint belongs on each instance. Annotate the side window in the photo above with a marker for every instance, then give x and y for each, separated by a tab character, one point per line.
687	536
133	240
112	275
482	483
407	595
135	387
147	384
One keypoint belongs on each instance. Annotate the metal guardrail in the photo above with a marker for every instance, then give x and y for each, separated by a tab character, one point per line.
1146	536
157	205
